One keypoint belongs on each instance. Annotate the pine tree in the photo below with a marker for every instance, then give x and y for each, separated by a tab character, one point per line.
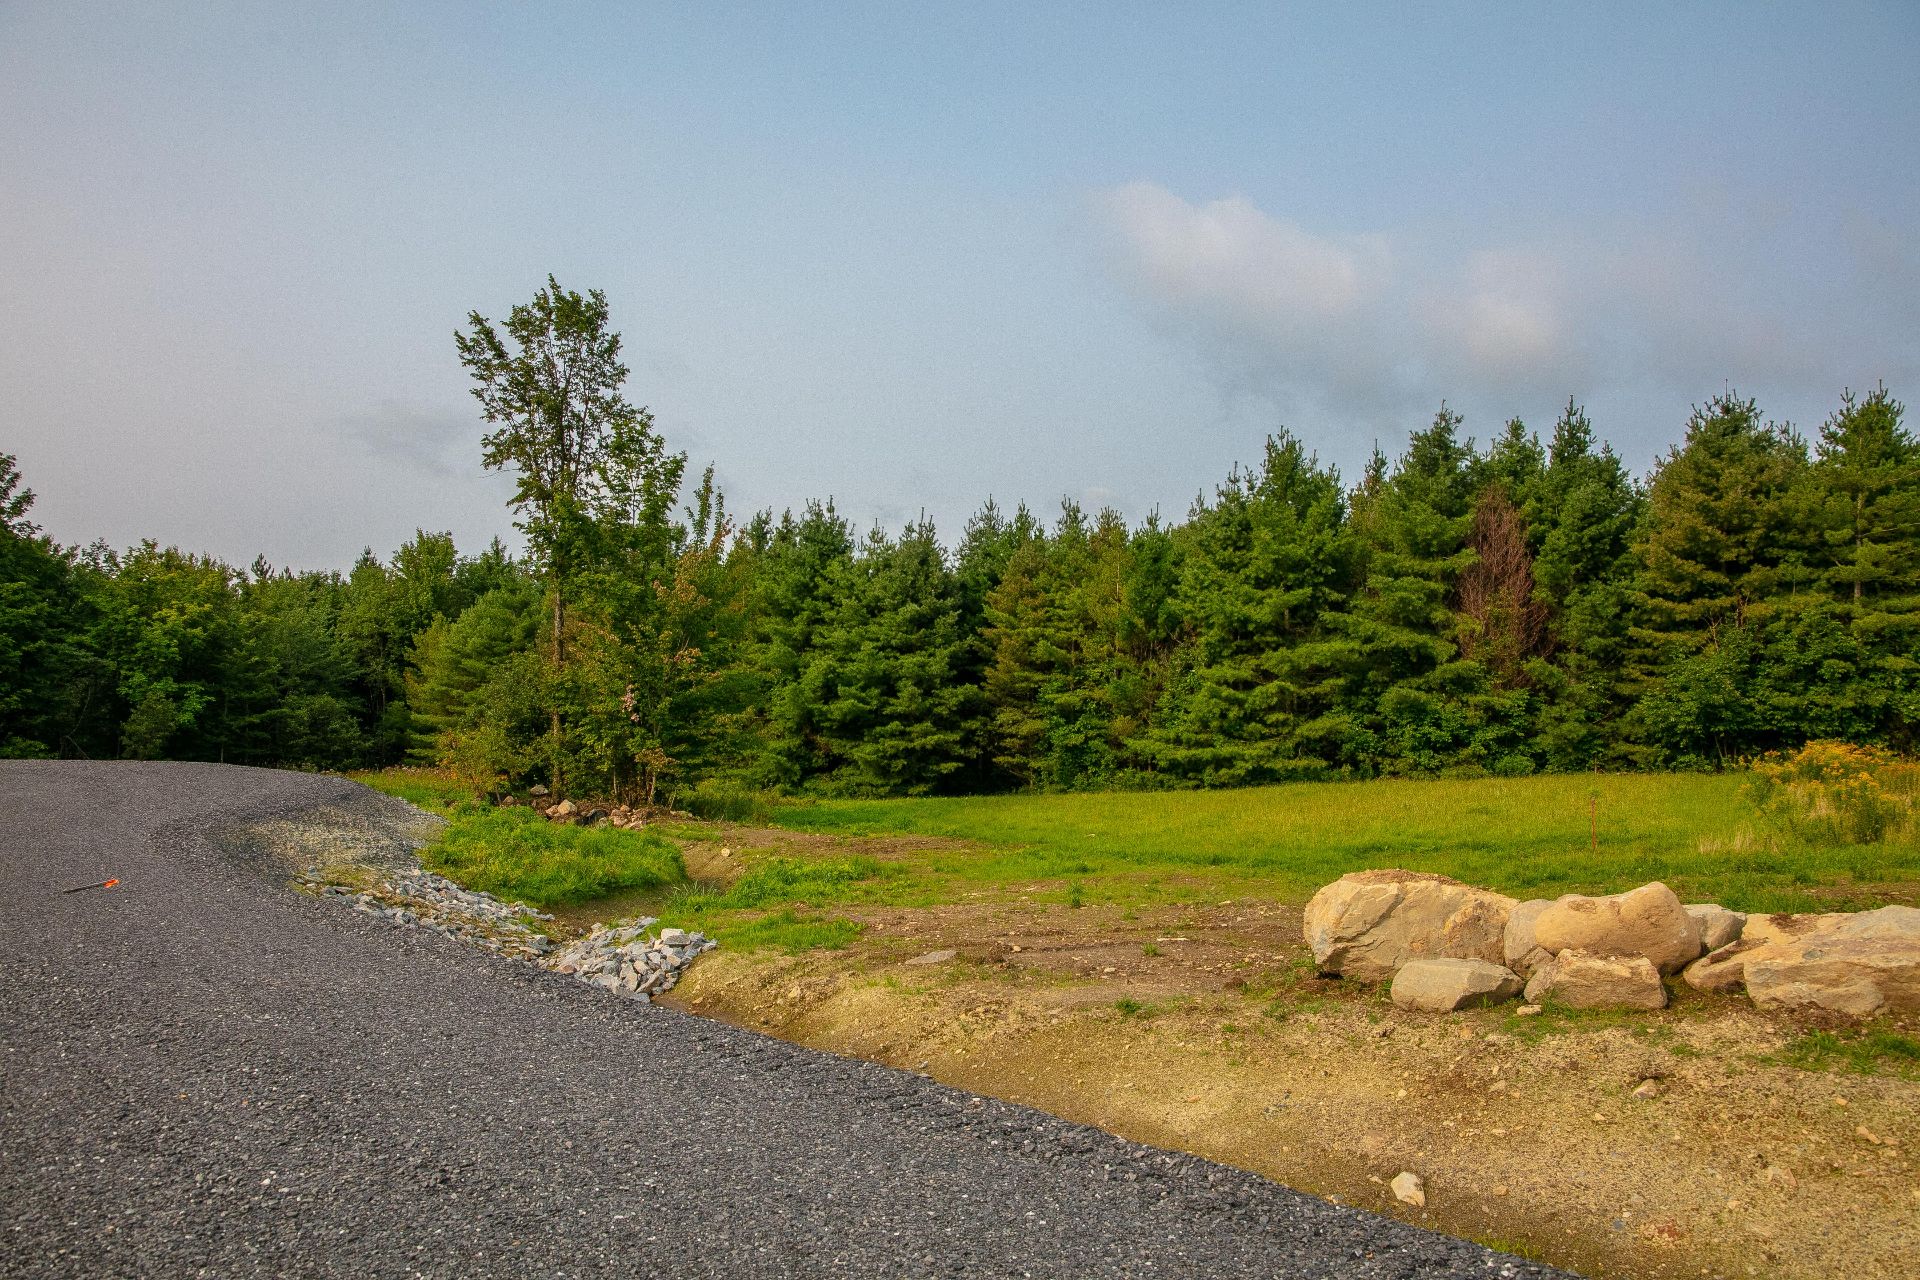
1401	696
1263	567
1582	516
1724	544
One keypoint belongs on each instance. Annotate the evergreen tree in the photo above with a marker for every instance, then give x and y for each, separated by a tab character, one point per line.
1263	568
1405	684
1582	516
1723	545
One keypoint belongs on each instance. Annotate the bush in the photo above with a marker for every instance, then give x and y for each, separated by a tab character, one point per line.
1837	793
517	855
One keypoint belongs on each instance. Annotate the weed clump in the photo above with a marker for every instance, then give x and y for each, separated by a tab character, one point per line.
781	880
728	802
1837	793
787	931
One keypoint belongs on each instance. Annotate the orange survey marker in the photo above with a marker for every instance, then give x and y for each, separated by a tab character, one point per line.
98	884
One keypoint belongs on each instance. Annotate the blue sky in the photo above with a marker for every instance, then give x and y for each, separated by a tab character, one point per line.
911	259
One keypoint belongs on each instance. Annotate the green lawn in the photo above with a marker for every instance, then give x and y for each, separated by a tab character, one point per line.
1525	836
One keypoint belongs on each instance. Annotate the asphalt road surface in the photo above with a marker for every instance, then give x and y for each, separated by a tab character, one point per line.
204	1072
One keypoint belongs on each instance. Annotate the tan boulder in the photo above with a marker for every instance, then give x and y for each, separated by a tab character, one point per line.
1441	984
1721	972
1724	970
1648	921
1718	926
1582	980
1861	965
1522	952
1367	924
1787	927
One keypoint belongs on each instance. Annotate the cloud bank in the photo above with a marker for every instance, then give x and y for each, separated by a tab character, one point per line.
1365	329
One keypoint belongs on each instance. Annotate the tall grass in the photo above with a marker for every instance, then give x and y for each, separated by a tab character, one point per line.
728	802
517	855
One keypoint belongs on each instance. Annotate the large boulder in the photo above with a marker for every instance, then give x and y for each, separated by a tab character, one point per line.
1718	926
1865	964
1367	924
1522	952
1582	980
1765	930
1724	969
1439	984
1649	921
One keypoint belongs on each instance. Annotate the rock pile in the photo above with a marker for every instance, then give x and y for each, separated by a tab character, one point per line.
622	816
625	958
622	958
1447	945
418	897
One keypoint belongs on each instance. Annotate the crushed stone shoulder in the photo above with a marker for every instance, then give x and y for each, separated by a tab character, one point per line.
205	1072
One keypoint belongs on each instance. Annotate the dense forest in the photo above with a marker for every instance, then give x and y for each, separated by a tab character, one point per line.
1524	605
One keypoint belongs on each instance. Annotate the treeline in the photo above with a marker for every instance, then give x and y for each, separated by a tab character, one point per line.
1523	607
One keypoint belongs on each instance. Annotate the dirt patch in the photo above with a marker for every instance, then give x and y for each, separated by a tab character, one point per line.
1203	1028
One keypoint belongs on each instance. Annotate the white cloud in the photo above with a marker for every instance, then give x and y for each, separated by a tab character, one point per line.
1231	258
1351	325
1359	333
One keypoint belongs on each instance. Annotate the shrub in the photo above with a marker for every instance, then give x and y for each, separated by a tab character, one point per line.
1838	793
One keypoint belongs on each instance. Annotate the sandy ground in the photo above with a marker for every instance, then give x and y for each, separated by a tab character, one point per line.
1204	1029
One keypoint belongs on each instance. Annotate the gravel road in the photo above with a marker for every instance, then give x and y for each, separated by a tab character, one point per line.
204	1072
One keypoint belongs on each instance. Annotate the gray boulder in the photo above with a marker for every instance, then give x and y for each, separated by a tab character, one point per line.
1718	926
1523	953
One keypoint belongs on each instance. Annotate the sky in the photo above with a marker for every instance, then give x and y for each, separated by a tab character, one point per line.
910	257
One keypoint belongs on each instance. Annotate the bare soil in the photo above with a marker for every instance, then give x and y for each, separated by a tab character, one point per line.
1202	1028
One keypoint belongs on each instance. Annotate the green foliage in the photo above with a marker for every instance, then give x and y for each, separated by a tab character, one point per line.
517	855
1460	611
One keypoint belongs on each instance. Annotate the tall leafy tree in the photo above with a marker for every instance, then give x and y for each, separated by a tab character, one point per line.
52	684
584	459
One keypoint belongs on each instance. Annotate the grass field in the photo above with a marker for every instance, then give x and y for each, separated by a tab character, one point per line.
1528	837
